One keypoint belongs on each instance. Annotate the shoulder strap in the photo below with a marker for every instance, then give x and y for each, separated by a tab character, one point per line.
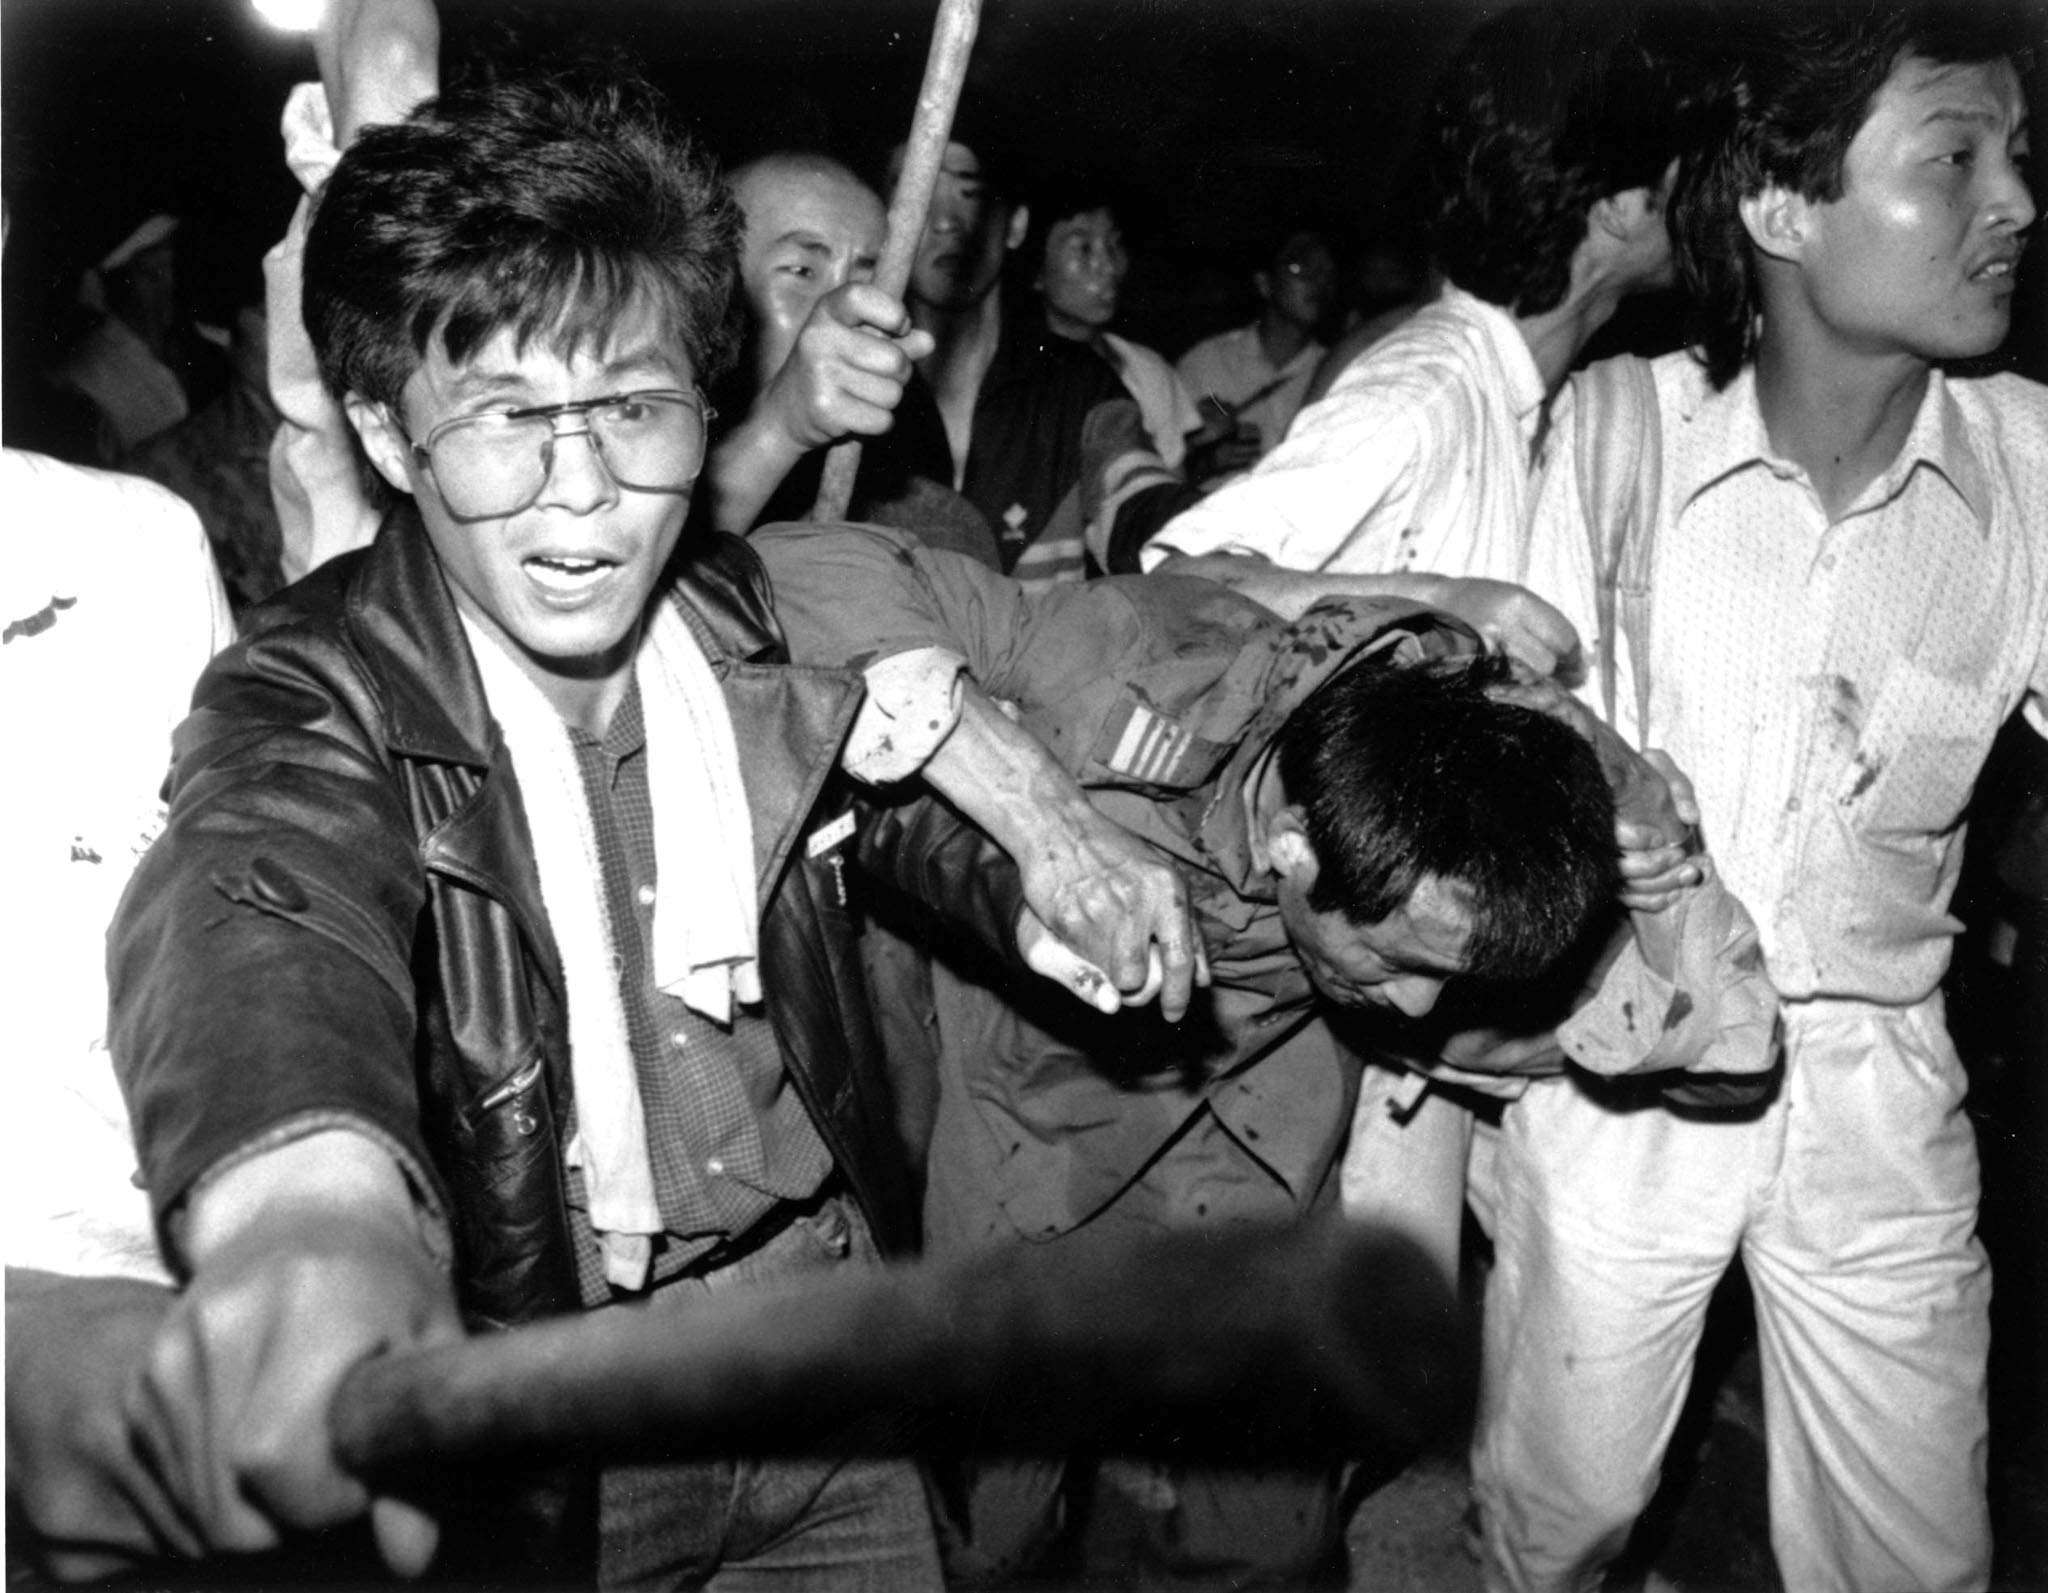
1618	455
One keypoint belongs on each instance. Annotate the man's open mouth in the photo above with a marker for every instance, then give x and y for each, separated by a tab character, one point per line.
564	572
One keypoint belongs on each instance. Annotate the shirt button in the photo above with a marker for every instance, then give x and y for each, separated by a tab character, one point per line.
646	895
680	1039
715	1167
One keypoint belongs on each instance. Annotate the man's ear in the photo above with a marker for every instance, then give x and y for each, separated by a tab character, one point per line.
381	439
1778	221
1020	223
1288	848
1262	284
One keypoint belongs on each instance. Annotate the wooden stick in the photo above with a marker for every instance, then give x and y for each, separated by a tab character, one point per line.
1286	1344
944	70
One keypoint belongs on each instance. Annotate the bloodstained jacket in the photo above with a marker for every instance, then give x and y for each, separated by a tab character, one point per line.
1161	695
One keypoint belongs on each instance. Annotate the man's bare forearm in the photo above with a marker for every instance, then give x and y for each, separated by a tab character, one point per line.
1103	892
1001	776
378	60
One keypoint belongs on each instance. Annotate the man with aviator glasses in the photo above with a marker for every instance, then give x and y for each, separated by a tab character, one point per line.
495	963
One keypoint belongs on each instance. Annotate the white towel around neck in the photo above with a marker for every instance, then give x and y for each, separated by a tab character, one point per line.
706	917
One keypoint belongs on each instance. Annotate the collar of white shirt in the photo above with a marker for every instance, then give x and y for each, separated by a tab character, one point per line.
1723	434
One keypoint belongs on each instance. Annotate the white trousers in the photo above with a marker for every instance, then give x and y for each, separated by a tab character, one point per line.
1852	1200
1413	1160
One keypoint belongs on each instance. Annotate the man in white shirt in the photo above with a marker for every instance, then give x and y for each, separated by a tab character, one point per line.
1548	210
1847	594
1259	372
112	607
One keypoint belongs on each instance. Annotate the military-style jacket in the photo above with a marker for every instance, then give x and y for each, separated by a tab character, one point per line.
1160	694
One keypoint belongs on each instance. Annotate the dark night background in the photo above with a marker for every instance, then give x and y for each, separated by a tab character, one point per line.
1226	120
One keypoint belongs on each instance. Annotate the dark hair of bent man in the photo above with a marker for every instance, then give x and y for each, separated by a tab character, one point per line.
1801	91
1404	773
549	206
1547	109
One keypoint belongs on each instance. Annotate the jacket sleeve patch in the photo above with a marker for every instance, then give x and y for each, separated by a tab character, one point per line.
1139	743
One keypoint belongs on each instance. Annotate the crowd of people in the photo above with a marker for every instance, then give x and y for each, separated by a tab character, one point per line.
1404	775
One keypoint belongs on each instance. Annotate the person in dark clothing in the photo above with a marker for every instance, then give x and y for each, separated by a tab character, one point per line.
218	460
1079	256
1013	395
493	963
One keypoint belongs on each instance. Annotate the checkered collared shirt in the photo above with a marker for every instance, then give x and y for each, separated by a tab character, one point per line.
729	1137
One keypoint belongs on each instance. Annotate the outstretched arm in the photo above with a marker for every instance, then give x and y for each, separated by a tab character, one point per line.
1117	914
869	598
304	1260
1102	913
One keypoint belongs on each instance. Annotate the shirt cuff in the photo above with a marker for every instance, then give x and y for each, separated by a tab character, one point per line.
244	1165
913	702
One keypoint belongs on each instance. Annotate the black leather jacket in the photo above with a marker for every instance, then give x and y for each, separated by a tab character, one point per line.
343	920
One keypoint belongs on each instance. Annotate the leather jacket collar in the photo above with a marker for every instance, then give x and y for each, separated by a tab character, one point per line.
435	711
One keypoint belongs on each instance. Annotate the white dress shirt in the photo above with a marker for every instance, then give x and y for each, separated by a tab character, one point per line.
1417	458
1833	689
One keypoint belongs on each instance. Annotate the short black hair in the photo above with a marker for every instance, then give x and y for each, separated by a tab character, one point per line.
1062	195
1410	772
549	206
1547	109
1801	90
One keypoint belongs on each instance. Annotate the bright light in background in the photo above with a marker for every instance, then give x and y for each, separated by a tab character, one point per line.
291	16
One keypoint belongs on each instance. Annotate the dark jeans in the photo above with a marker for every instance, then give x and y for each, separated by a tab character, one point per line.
815	1524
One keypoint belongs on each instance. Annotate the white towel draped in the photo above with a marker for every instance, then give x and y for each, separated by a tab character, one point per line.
705	918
